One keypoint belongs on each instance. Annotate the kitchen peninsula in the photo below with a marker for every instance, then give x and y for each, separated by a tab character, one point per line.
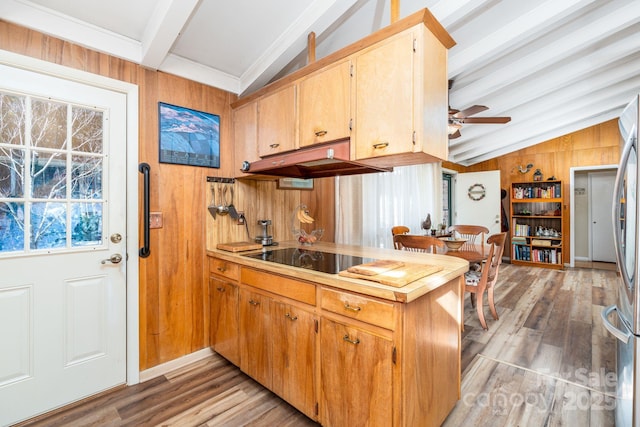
343	351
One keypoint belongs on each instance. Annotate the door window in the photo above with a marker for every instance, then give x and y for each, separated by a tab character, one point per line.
51	175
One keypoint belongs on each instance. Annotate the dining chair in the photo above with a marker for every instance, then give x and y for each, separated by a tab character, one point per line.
415	243
399	229
477	282
469	232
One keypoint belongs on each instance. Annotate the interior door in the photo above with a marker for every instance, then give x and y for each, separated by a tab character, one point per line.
477	199
62	242
601	186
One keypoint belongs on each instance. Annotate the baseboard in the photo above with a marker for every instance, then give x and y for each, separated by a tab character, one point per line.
162	369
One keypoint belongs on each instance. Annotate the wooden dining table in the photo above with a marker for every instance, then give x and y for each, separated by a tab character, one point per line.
472	252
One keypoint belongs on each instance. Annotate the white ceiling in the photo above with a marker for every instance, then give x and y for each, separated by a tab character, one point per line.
554	66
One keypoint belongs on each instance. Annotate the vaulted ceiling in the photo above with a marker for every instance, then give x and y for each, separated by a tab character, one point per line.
554	66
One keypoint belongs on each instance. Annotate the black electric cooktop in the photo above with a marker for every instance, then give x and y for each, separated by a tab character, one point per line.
325	262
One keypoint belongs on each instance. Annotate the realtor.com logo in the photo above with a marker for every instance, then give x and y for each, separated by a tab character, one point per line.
584	391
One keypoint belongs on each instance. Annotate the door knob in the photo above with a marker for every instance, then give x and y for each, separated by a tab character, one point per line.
114	259
116	238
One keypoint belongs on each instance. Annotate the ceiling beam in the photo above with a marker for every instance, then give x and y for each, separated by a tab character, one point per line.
316	18
47	21
163	28
519	69
496	43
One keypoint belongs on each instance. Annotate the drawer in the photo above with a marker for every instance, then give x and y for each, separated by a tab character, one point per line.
224	268
360	307
281	285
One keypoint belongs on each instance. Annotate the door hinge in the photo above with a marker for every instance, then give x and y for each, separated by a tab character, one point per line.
414	137
394	355
415	44
351	70
317	409
315	325
350	125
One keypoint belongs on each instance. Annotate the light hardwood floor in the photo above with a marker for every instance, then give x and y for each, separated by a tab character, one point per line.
548	361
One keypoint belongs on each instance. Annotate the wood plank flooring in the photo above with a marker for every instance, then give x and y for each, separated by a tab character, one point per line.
548	361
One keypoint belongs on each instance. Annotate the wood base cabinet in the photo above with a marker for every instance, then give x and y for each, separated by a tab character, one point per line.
223	299
357	376
342	357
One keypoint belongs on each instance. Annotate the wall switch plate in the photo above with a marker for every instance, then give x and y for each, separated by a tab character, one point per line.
155	219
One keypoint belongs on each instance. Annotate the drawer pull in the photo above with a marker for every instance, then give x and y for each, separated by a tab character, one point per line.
321	133
352	308
349	340
221	269
292	318
381	145
254	302
274	145
220	289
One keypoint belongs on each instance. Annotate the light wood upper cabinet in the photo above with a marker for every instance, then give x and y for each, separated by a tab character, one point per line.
277	120
324	109
245	131
384	98
401	97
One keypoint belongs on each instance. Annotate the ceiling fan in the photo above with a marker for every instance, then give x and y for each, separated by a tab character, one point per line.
459	117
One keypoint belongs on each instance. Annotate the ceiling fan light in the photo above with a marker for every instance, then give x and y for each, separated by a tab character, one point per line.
453	128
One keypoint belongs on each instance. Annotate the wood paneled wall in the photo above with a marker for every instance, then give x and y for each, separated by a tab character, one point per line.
174	319
593	146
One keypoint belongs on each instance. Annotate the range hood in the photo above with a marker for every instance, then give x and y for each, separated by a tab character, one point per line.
316	161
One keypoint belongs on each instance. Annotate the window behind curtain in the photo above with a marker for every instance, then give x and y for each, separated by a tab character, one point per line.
367	206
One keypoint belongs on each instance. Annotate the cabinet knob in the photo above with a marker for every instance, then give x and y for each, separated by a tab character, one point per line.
254	302
274	145
380	145
321	132
221	269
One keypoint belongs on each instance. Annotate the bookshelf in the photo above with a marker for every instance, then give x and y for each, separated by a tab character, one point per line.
536	224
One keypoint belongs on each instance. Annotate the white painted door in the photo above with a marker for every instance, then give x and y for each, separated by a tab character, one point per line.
601	187
62	208
477	199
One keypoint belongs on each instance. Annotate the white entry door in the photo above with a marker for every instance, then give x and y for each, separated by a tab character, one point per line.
601	187
62	231
477	199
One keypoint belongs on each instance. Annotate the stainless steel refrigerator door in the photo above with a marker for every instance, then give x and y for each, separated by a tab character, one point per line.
627	359
625	229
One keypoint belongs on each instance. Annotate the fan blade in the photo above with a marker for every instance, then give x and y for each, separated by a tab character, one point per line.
475	109
455	135
485	120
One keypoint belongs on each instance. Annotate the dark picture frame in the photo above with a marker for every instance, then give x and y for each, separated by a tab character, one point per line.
188	137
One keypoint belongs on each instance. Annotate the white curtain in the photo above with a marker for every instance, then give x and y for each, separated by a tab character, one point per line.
367	206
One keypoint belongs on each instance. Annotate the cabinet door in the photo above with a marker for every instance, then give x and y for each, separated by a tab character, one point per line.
356	376
245	134
325	99
224	319
256	336
277	122
384	119
294	356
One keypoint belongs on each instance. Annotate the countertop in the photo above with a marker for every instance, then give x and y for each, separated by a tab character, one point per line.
452	268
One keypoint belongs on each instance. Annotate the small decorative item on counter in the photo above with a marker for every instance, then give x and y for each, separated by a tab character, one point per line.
537	175
301	215
426	224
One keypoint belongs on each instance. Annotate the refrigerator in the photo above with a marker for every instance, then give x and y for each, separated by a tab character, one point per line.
622	320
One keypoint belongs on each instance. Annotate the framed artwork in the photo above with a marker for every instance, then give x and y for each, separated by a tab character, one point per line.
295	184
188	137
